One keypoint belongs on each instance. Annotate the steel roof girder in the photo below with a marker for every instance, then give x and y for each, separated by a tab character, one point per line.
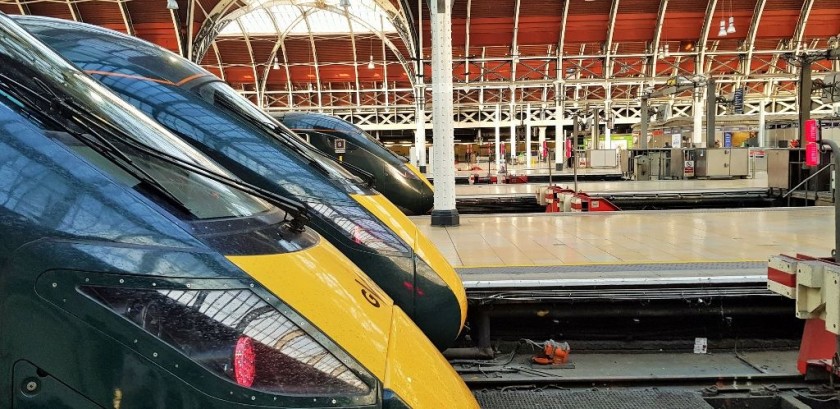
608	62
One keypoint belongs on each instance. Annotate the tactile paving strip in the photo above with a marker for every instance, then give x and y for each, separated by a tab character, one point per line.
590	399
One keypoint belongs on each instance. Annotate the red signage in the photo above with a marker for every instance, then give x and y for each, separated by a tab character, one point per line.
812	154
811	130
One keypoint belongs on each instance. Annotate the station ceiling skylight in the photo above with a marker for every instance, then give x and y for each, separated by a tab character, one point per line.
267	17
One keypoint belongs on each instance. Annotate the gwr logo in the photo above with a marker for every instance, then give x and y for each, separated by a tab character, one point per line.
370	294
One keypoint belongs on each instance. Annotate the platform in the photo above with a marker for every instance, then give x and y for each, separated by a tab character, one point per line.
620	187
627	195
679	246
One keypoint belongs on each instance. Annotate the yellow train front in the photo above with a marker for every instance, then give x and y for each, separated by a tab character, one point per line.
140	274
209	115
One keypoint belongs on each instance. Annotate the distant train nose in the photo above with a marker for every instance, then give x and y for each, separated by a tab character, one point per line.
417	376
425	200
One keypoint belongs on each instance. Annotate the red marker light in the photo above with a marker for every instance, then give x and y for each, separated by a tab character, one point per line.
812	154
244	362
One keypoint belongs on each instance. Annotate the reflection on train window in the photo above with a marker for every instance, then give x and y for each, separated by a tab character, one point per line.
194	119
237	335
204	198
360	227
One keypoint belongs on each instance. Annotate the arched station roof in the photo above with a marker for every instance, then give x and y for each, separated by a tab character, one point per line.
318	53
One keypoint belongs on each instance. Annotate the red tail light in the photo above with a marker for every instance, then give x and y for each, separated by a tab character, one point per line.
244	362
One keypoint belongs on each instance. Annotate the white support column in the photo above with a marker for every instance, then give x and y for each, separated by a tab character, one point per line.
762	124
444	213
541	140
698	110
512	132
420	135
498	118
559	139
607	129
528	136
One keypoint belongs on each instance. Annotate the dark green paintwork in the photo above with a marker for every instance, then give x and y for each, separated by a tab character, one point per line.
65	223
393	179
252	155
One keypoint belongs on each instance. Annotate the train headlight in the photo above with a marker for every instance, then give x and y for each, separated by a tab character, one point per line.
237	335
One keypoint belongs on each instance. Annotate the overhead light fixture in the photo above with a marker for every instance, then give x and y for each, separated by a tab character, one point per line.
667	50
309	86
276	63
722	32
172	4
344	3
731	28
370	64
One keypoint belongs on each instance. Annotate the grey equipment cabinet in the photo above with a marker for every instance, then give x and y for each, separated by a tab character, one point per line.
722	162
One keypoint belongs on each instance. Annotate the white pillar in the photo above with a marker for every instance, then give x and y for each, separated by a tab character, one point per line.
512	131
528	136
762	123
697	135
559	139
444	213
420	135
541	139
498	121
607	129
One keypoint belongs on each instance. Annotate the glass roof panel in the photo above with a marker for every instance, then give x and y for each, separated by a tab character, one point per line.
323	16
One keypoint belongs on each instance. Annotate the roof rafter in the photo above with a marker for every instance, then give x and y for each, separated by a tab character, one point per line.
799	32
657	35
467	41
608	63
305	14
74	11
704	37
253	65
278	45
560	89
126	16
176	26
514	50
751	34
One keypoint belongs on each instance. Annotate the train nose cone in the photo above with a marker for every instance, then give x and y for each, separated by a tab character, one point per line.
427	199
440	302
418	374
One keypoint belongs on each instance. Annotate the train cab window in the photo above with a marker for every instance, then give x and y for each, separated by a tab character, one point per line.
203	198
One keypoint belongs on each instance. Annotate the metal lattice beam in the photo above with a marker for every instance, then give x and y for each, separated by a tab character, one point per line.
608	60
799	32
126	16
751	35
704	37
74	11
657	35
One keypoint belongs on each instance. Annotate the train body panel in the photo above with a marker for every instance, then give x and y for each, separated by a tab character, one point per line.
428	285
201	110
115	294
400	182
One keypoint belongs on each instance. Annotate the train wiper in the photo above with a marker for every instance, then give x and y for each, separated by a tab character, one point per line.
97	144
298	211
101	144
